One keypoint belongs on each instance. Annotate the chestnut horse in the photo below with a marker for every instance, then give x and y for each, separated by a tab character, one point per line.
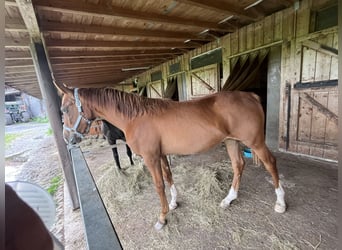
155	128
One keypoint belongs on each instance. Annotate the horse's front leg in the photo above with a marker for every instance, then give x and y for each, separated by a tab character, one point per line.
154	166
129	153
168	177
116	156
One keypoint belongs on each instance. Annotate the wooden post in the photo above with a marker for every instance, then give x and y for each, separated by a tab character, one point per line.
52	102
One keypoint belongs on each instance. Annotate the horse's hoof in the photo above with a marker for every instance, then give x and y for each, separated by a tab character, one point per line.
173	206
158	226
224	204
279	208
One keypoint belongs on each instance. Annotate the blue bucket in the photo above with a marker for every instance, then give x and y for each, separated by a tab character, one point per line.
247	153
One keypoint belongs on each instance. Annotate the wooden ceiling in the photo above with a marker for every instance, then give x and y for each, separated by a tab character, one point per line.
97	43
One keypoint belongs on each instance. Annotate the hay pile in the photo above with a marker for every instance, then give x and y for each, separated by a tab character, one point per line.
199	222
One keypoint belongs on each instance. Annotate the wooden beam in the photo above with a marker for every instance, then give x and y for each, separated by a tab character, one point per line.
75	7
66	70
321	48
221	6
91	75
11	3
53	43
108	59
30	89
92	85
17	55
52	100
86	72
23	86
17	43
53	53
91	79
110	64
24	69
20	74
115	31
29	17
20	77
18	63
18	83
12	24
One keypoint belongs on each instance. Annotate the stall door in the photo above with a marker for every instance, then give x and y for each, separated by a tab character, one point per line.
156	89
204	81
314	99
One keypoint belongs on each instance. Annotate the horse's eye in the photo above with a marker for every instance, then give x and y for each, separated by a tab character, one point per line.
64	110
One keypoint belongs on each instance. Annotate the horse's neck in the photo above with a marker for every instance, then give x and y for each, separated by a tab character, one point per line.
110	114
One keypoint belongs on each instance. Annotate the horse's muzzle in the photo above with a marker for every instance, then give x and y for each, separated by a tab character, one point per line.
71	138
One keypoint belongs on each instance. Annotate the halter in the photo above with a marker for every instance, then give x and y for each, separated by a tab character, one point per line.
79	118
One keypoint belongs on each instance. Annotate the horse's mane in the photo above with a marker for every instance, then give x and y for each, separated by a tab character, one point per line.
131	105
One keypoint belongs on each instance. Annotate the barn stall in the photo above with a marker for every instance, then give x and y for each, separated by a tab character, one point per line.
285	52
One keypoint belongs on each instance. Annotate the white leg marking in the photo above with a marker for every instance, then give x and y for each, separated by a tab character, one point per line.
280	205
232	195
158	226
173	202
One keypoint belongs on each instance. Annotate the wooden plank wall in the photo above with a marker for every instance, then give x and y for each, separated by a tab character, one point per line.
313	131
209	76
288	28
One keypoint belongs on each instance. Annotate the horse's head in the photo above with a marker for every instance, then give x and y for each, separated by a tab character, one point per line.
75	122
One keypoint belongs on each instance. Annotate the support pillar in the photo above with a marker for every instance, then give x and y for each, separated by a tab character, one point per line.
52	102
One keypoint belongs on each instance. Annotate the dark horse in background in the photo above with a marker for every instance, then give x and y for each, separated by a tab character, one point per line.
155	128
112	134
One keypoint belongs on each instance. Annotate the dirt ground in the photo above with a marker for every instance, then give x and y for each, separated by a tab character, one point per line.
33	157
202	182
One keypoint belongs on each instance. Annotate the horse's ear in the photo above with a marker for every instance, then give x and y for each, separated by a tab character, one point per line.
63	89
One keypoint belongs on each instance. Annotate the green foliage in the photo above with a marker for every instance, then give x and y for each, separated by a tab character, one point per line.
54	184
49	131
11	137
40	119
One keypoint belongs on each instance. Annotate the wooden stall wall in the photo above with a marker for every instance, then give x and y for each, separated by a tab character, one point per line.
309	112
313	124
307	116
155	89
204	81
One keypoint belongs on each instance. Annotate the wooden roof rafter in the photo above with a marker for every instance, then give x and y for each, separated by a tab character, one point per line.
223	6
53	43
14	24
112	53
65	28
113	11
68	61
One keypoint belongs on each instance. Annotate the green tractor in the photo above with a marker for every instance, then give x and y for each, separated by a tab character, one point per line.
15	109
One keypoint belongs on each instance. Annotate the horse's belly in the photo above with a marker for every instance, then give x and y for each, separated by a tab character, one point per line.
190	141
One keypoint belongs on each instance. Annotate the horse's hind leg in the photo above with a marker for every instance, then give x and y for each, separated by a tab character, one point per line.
129	153
168	177
238	163
270	164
